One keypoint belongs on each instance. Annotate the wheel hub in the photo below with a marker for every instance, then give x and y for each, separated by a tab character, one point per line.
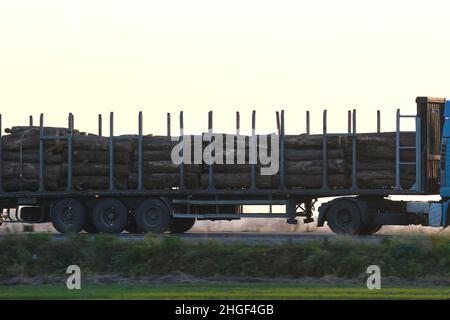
152	216
344	217
110	215
68	216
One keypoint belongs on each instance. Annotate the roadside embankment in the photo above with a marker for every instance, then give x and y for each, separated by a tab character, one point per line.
36	255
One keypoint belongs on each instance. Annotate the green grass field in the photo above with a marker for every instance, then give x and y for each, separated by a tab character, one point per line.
222	291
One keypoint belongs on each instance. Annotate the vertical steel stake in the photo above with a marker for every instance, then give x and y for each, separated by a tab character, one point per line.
182	182
100	125
140	166
41	153
111	151
324	150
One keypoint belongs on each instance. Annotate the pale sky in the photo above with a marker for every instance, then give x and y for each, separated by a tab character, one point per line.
95	56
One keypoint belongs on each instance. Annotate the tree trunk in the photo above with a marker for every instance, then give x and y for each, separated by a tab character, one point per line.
98	183
96	169
165	180
158	142
12	142
35	130
310	167
97	143
99	156
30	170
379	165
154	155
373	151
369	175
386	138
304	141
231	180
168	167
16	184
314	181
385	183
31	156
312	154
234	180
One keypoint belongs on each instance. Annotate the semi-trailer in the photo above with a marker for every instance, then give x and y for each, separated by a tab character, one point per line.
354	209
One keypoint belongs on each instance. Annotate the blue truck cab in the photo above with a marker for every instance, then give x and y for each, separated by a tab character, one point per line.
445	165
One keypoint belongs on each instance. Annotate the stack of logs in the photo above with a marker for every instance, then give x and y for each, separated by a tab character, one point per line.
90	160
303	162
376	160
376	154
159	171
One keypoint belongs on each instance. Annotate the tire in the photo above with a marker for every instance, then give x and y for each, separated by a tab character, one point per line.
152	216
110	216
68	215
344	217
181	225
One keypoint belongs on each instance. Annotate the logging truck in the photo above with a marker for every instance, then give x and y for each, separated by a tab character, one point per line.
131	183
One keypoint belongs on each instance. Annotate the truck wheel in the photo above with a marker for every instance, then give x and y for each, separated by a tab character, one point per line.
68	215
344	217
152	216
110	216
180	225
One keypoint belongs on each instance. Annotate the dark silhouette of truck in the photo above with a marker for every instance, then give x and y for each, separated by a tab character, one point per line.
354	209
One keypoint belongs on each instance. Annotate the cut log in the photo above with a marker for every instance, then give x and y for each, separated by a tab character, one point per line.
312	167
169	167
158	142
386	138
29	170
31	156
313	181
292	167
98	183
166	180
154	155
99	156
312	154
18	130
231	168
97	143
15	184
379	165
234	180
231	180
372	151
369	175
96	169
244	142
12	142
303	141
385	183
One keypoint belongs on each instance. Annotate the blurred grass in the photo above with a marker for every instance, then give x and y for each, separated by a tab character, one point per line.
37	255
271	291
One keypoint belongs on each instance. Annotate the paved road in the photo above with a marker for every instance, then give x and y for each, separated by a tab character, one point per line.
255	237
